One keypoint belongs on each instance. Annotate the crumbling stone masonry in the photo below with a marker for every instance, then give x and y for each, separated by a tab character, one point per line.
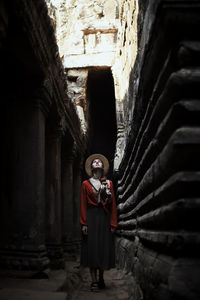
158	179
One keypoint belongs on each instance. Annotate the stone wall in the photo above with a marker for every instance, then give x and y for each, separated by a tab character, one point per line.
42	143
157	192
77	92
126	52
86	31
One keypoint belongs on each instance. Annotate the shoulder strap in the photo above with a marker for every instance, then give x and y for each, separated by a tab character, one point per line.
108	183
92	185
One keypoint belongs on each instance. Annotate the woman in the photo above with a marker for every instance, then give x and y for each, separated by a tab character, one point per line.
98	220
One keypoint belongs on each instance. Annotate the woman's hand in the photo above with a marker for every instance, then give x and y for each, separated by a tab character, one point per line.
112	229
84	229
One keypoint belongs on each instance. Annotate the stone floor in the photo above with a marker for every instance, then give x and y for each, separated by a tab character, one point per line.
46	286
70	284
119	286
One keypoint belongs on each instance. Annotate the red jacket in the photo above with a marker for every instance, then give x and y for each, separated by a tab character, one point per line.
88	197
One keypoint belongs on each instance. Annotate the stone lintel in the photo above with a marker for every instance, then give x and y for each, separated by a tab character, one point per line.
96	30
89	60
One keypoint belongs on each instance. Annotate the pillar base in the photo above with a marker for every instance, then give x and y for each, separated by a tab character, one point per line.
24	260
72	249
55	254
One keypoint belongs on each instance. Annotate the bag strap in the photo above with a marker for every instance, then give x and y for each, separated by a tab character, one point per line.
108	183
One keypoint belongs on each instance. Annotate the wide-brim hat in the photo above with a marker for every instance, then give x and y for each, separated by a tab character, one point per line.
90	159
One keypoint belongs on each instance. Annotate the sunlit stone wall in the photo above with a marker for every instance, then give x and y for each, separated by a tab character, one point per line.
86	31
125	56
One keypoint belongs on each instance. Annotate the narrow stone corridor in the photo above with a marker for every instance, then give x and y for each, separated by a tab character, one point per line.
115	77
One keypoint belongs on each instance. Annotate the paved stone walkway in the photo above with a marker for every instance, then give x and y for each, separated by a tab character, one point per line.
70	284
49	288
119	286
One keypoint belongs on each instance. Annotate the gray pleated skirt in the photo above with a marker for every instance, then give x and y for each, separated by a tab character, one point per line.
97	249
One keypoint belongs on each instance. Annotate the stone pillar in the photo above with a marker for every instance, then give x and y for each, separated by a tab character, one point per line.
22	210
67	199
53	200
77	199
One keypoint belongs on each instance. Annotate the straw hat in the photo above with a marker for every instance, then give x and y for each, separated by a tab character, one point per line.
90	159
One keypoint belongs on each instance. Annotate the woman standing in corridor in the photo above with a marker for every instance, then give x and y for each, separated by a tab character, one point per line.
98	220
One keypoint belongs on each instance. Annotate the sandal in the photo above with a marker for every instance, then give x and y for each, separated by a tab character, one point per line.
94	287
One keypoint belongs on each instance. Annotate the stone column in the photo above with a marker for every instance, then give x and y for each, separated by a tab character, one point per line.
67	199
77	199
53	200
22	226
